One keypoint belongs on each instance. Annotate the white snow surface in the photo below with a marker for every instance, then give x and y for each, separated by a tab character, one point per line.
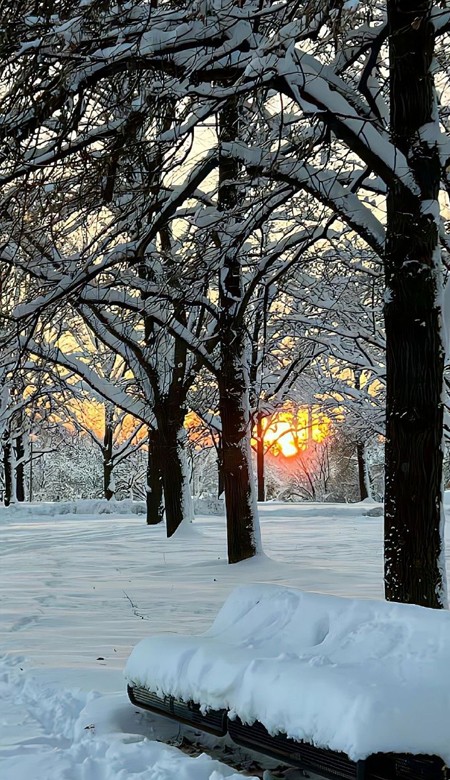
346	674
81	588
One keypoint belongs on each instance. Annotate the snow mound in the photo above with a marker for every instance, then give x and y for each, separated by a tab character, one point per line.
100	506
80	506
351	675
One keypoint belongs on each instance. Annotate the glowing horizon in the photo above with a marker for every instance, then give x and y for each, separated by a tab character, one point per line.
291	431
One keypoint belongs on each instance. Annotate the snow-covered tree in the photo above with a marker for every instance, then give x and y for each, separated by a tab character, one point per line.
346	97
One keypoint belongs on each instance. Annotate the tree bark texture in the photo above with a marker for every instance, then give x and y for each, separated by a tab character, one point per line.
361	451
154	488
7	472
220	485
362	470
237	468
241	510
414	349
107	453
20	469
169	458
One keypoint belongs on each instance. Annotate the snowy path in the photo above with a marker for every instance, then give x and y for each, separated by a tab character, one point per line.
57	734
78	592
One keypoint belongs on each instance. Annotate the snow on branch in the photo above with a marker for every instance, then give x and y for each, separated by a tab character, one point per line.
100	385
323	185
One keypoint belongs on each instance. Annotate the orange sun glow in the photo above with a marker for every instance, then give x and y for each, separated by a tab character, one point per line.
289	432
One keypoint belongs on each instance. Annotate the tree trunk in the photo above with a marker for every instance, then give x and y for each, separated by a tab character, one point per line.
171	460
20	468
107	453
260	458
154	489
362	470
241	509
309	433
30	493
414	561
361	451
242	528
7	472
220	483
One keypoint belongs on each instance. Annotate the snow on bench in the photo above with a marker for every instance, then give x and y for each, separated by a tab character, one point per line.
355	676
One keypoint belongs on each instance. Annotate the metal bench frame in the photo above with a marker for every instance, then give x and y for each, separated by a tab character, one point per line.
329	764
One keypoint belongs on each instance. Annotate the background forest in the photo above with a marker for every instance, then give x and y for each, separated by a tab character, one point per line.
67	462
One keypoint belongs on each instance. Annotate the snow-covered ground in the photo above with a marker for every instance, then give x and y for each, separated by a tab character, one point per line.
80	590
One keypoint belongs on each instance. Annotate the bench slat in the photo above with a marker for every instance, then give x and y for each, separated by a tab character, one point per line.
330	764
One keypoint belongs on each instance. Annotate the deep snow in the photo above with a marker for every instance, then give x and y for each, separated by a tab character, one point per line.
351	675
80	590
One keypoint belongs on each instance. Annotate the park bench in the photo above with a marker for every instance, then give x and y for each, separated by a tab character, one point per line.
345	688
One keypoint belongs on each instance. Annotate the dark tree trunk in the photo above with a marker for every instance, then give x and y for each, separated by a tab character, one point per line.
238	479
414	352
169	455
362	470
260	458
241	510
20	469
154	489
360	451
7	472
107	453
220	482
309	433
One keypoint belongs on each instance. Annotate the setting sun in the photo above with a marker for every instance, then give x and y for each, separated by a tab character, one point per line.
290	431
